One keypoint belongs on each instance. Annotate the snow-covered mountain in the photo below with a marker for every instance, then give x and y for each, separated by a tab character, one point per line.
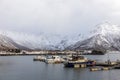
68	40
42	41
7	43
48	42
105	36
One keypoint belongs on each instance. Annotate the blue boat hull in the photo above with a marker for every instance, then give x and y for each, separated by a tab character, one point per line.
71	65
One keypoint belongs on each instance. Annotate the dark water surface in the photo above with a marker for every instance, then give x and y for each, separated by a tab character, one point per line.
24	68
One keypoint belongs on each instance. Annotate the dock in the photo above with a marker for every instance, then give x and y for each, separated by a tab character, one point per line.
104	66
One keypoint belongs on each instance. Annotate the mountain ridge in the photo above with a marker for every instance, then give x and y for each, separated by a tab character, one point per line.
104	37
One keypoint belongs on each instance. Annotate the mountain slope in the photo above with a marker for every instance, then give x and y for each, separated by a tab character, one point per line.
105	37
7	43
43	41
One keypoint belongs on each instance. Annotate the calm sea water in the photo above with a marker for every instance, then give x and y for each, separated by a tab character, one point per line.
24	68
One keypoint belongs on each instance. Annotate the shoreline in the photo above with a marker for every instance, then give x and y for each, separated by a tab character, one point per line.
27	53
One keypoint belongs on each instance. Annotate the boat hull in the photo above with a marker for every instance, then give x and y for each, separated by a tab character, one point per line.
78	64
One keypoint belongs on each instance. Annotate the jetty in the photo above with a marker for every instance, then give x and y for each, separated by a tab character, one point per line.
103	66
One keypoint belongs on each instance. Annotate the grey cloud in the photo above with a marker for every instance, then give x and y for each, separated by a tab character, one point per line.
56	16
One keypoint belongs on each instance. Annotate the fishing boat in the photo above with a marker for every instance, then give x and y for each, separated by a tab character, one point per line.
78	61
39	58
54	59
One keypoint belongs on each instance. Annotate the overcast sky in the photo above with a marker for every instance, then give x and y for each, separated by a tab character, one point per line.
57	16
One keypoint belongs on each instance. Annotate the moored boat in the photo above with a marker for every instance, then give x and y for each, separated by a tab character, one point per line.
78	61
54	59
39	58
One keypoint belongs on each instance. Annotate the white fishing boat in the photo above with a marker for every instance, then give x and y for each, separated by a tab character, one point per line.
54	59
39	58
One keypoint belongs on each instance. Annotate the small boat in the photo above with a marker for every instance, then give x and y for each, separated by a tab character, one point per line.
54	59
116	66
40	58
105	68
95	69
78	61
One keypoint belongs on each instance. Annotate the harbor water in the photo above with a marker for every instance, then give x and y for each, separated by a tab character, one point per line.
24	68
